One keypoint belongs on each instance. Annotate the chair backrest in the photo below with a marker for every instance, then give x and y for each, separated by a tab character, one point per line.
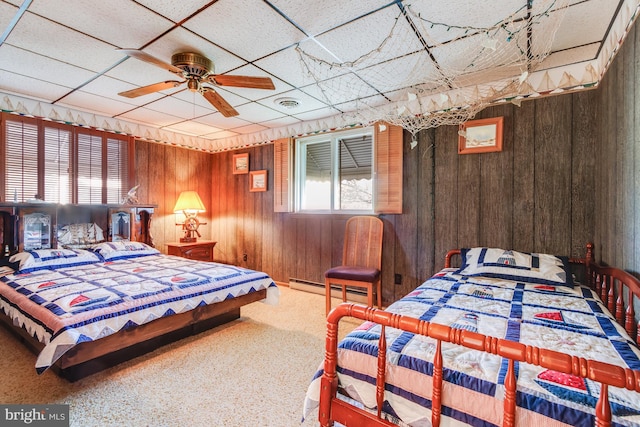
363	242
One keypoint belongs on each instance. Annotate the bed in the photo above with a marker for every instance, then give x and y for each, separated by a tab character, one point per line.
506	339
85	306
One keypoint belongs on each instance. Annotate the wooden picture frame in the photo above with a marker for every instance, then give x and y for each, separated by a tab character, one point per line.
480	136
258	180
240	163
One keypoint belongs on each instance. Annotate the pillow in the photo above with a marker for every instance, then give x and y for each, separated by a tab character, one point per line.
111	251
52	258
517	266
79	235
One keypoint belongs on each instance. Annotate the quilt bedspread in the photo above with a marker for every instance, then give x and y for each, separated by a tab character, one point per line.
571	320
65	306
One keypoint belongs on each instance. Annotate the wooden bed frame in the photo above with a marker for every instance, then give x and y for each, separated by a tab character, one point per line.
93	356
616	288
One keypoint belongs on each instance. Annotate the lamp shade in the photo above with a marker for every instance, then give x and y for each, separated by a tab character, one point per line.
189	201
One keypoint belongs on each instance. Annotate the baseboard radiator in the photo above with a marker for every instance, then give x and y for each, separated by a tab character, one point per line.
353	294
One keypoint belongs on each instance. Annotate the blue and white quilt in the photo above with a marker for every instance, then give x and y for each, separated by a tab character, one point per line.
64	306
569	319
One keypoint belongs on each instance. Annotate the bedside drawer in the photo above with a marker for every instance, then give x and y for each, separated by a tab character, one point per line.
200	251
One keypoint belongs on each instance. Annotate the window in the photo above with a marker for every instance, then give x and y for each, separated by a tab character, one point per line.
78	165
334	172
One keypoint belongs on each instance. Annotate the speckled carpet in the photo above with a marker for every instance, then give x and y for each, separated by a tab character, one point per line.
251	372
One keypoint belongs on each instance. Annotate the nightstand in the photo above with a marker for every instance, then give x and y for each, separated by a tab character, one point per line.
202	250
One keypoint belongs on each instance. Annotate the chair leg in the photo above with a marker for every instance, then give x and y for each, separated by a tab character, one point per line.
379	294
344	293
370	295
327	291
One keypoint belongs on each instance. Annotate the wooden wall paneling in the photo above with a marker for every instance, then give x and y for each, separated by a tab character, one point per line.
327	240
626	138
406	247
216	216
247	225
200	181
495	227
313	249
156	183
254	208
617	162
583	164
607	165
523	176
426	262
226	184
290	246
301	247
172	190
141	168
267	215
553	175
468	181
635	89
389	242
446	190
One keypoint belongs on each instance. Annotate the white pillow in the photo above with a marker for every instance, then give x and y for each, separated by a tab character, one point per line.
52	258
516	266
110	251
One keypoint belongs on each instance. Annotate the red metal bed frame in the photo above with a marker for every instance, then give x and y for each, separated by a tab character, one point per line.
611	285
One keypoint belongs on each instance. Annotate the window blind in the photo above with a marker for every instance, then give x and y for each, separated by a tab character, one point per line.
21	160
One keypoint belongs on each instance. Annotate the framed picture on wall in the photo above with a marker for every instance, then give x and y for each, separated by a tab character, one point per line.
258	181
480	136
240	163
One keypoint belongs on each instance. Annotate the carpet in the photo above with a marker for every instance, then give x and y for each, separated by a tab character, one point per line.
251	372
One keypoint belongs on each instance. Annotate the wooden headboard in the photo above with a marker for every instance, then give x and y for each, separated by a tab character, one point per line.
118	222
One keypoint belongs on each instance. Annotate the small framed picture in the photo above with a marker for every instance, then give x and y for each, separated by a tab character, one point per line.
480	136
258	180
240	163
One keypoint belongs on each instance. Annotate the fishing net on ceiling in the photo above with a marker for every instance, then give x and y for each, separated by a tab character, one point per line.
427	73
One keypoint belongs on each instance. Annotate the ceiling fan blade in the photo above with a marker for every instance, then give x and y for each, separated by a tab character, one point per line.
138	54
145	90
219	102
242	81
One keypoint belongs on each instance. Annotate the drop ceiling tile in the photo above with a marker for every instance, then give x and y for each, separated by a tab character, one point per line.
440	22
192	128
320	113
150	117
220	135
222	122
7	13
29	64
94	104
247	28
581	26
317	17
570	56
288	66
369	39
179	108
281	122
33	33
252	128
175	10
30	87
257	113
121	23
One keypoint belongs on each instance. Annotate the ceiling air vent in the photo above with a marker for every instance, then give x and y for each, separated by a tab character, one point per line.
287	103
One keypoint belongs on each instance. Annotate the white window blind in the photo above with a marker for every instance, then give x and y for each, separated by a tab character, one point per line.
21	161
57	176
117	169
89	149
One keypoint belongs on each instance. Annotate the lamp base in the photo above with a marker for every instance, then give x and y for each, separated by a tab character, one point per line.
188	239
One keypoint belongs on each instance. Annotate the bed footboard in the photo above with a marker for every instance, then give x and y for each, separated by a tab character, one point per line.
617	289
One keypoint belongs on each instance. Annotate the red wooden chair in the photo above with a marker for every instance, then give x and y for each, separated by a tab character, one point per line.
361	260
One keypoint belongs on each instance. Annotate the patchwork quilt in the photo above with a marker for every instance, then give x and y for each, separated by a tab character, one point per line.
66	305
569	319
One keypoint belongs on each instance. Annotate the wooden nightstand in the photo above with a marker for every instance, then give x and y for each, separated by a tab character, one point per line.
202	250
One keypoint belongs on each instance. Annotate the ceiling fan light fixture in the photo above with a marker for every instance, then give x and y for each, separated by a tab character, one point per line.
287	102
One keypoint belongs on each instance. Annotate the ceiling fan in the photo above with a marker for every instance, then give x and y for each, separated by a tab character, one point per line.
197	71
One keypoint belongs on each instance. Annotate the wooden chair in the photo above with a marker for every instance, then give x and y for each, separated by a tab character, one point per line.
361	260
